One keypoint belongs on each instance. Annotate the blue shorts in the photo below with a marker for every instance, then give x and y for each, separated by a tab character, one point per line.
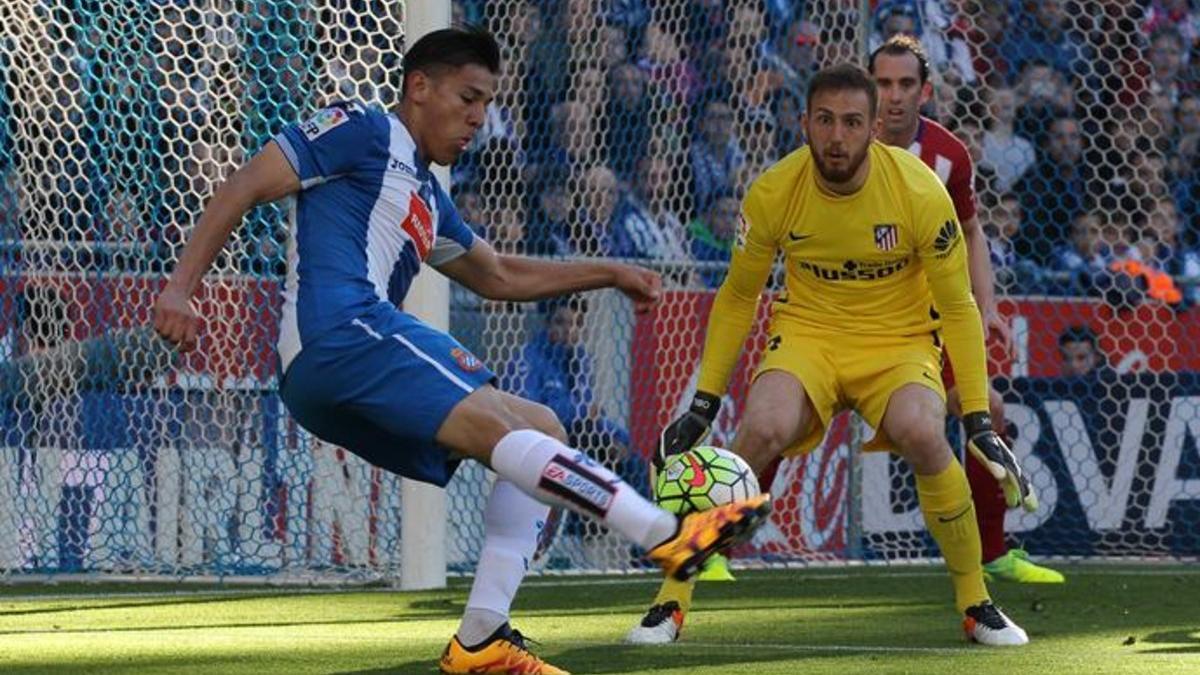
380	386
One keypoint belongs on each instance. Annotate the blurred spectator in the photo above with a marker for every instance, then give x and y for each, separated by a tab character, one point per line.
715	154
629	15
1047	36
1083	257
788	108
1148	182
1002	227
925	20
793	56
712	235
1161	129
1053	192
613	48
546	76
707	28
1166	54
991	20
628	119
757	136
1179	14
672	78
505	229
1166	249
470	205
645	226
1080	351
571	141
549	230
590	87
986	185
1187	131
1042	96
595	198
1006	152
752	79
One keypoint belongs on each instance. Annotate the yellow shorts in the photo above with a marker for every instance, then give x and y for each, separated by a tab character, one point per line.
857	372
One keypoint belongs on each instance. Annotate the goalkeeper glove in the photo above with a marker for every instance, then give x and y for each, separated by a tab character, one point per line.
989	449
689	429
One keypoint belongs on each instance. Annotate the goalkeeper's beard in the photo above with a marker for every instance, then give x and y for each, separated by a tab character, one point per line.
834	176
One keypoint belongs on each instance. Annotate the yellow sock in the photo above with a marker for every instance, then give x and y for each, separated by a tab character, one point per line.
950	517
679	591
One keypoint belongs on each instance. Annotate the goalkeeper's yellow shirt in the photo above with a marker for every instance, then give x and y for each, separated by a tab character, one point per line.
888	260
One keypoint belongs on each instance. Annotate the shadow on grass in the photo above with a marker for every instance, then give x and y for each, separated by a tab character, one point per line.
1186	641
618	658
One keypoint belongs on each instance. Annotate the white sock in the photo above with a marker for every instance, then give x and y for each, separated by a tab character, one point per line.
512	522
556	474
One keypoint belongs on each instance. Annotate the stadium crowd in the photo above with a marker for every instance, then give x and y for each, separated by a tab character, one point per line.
630	128
1082	116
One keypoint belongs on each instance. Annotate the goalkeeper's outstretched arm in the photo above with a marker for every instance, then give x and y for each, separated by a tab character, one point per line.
265	178
729	323
736	303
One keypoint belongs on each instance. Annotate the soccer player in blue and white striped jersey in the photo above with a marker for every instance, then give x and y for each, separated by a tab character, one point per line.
361	373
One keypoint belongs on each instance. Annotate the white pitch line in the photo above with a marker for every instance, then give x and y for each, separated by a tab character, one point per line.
826	648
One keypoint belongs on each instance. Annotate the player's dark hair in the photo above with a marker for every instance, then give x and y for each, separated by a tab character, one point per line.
844	77
453	48
899	45
1077	334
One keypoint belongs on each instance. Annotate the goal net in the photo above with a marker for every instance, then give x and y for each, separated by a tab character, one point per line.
623	130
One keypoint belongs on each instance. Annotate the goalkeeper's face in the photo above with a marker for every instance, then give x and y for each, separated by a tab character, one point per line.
454	105
840	127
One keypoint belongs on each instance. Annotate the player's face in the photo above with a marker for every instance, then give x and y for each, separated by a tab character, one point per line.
1079	358
455	102
901	95
840	129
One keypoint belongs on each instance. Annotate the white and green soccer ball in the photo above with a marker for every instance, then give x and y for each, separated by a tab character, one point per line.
702	478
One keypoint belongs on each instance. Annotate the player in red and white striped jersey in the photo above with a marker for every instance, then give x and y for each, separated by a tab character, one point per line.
901	71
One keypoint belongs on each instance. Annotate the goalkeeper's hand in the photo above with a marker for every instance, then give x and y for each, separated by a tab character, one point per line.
989	449
689	429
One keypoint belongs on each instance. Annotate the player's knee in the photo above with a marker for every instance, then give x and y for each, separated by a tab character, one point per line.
760	442
923	444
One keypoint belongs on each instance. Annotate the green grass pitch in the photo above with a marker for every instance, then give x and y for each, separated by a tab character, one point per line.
1142	619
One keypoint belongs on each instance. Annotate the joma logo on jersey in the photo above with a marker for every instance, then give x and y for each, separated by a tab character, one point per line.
397	165
853	270
886	237
419	225
947	238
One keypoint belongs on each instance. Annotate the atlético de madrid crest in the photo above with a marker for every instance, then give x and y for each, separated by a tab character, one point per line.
886	237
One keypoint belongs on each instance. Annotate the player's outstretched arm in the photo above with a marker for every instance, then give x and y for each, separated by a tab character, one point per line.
517	278
983	281
943	255
265	178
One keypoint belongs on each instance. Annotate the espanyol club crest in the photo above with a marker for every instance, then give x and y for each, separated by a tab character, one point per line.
466	360
886	237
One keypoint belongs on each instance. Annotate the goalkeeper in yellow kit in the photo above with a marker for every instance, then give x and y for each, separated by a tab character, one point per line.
877	284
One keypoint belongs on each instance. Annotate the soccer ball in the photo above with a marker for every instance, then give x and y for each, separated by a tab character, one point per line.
702	478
